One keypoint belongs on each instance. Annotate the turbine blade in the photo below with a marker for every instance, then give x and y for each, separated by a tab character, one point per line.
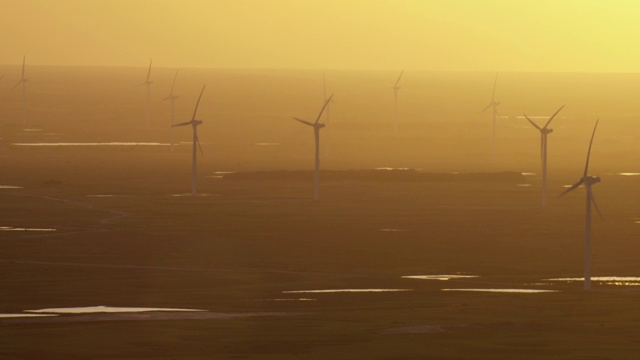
173	84
486	108
149	71
323	107
198	142
495	83
554	115
398	81
198	103
586	167
324	85
183	123
595	204
303	121
532	123
573	187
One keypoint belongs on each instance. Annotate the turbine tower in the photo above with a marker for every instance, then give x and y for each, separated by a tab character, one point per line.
544	132
494	115
148	83
395	103
316	132
196	142
23	81
172	98
587	181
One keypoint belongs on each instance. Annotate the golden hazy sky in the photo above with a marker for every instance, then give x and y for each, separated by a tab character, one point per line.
525	35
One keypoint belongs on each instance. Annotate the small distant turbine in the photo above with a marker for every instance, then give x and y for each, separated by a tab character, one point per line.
148	83
172	98
544	132
587	181
196	142
395	103
23	81
494	115
316	132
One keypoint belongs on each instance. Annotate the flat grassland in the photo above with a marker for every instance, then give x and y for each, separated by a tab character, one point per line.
239	249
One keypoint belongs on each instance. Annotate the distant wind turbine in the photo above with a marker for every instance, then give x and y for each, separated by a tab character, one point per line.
494	115
587	181
148	83
196	142
316	132
172	98
544	132
396	87
23	81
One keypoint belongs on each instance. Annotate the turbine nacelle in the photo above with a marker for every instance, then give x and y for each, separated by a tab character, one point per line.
590	180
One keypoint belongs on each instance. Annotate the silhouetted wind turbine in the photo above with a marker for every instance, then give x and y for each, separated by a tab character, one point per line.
494	114
396	87
172	98
148	83
316	132
587	181
196	142
544	132
23	80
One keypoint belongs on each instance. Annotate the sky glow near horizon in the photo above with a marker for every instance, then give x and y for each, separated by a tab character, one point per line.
455	35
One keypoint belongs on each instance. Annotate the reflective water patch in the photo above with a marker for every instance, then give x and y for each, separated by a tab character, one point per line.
439	277
604	280
10	228
105	309
344	291
519	291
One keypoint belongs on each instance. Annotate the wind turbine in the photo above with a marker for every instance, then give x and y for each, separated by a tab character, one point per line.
23	80
494	114
544	132
172	98
587	181
395	102
196	142
148	83
316	132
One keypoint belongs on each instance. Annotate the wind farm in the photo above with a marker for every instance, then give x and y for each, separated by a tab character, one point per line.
429	231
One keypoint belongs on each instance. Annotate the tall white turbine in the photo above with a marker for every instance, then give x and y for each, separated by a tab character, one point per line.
23	81
587	181
316	132
396	87
148	83
172	98
196	142
544	132
494	115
